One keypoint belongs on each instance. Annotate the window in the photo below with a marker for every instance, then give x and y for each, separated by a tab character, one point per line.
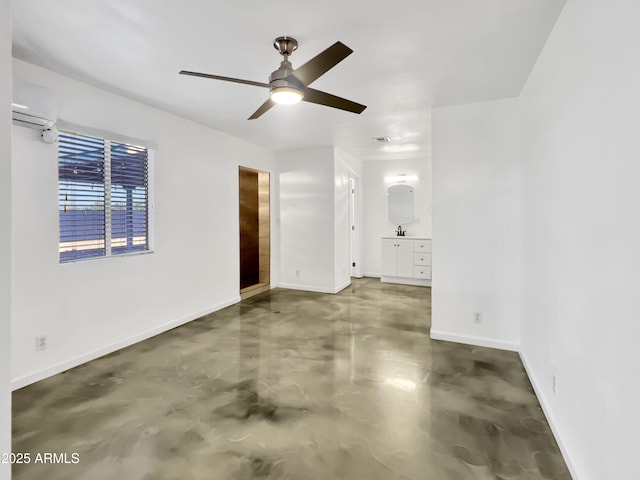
103	197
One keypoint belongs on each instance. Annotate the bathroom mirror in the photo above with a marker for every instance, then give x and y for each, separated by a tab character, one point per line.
400	204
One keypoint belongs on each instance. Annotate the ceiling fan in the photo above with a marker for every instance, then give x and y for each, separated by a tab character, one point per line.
288	86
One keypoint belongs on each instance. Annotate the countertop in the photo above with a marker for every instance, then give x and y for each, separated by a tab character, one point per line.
407	237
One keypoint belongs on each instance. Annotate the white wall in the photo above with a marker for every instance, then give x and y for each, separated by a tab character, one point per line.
5	235
314	218
581	113
477	229
306	179
91	307
374	191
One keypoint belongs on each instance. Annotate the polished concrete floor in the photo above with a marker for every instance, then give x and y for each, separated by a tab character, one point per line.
293	385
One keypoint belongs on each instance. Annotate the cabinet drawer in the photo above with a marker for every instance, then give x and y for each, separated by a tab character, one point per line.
421	272
422	259
422	245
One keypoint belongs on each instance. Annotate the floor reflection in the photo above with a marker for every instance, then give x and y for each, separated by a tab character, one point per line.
294	385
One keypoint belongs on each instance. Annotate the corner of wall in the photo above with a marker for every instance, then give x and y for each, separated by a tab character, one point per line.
5	235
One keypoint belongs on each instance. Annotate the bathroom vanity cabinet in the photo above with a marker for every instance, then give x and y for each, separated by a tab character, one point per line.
406	260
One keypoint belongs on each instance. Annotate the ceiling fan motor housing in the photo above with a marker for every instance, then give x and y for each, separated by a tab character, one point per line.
283	80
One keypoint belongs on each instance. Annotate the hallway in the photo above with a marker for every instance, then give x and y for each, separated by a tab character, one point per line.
293	385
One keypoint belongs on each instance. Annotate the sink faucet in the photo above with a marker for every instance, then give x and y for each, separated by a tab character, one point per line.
400	231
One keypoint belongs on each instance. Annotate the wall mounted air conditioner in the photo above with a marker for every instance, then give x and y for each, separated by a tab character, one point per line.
33	106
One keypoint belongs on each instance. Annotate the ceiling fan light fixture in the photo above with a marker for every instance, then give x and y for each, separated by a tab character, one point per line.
286	95
284	88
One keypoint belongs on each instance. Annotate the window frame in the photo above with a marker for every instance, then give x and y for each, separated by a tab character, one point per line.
109	139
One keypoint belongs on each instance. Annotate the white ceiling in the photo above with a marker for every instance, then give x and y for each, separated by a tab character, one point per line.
409	55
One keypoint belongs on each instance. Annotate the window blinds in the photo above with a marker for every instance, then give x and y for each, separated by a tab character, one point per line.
103	197
81	197
129	199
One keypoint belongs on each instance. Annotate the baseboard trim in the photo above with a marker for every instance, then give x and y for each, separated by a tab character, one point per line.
30	378
471	340
309	288
418	282
550	419
339	288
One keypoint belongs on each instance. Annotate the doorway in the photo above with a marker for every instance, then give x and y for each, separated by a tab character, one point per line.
255	235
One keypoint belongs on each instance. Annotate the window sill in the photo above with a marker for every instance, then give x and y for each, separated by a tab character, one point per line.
121	255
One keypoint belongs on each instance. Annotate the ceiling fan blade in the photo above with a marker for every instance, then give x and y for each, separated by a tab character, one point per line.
322	63
226	79
322	98
263	109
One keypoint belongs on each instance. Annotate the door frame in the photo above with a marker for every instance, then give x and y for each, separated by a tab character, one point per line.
355	211
264	233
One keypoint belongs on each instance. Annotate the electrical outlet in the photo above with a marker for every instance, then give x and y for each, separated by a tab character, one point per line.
477	318
554	384
41	343
297	273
